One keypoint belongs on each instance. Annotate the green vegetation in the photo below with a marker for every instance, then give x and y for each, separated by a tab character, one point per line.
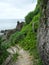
14	58
3	53
27	37
29	17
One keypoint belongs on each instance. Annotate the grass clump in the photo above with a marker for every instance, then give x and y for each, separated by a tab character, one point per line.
15	57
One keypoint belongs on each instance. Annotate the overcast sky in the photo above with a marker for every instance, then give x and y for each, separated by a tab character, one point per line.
16	9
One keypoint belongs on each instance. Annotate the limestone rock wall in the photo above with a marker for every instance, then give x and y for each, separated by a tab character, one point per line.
43	34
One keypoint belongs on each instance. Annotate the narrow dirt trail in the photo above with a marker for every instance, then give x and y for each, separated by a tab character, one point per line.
24	57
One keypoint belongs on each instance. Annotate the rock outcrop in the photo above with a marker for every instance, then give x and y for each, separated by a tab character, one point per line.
7	33
43	33
19	26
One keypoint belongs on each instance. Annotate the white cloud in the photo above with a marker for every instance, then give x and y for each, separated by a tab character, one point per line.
15	8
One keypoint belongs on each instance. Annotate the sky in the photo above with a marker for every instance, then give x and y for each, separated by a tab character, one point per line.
16	9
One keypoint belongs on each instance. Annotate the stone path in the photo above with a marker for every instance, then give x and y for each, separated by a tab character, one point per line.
24	57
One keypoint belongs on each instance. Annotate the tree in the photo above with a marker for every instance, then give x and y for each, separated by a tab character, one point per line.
29	17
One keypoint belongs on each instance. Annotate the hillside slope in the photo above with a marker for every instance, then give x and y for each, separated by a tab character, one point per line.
27	37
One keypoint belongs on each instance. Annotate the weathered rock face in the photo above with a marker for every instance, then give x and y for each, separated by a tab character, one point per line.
43	34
